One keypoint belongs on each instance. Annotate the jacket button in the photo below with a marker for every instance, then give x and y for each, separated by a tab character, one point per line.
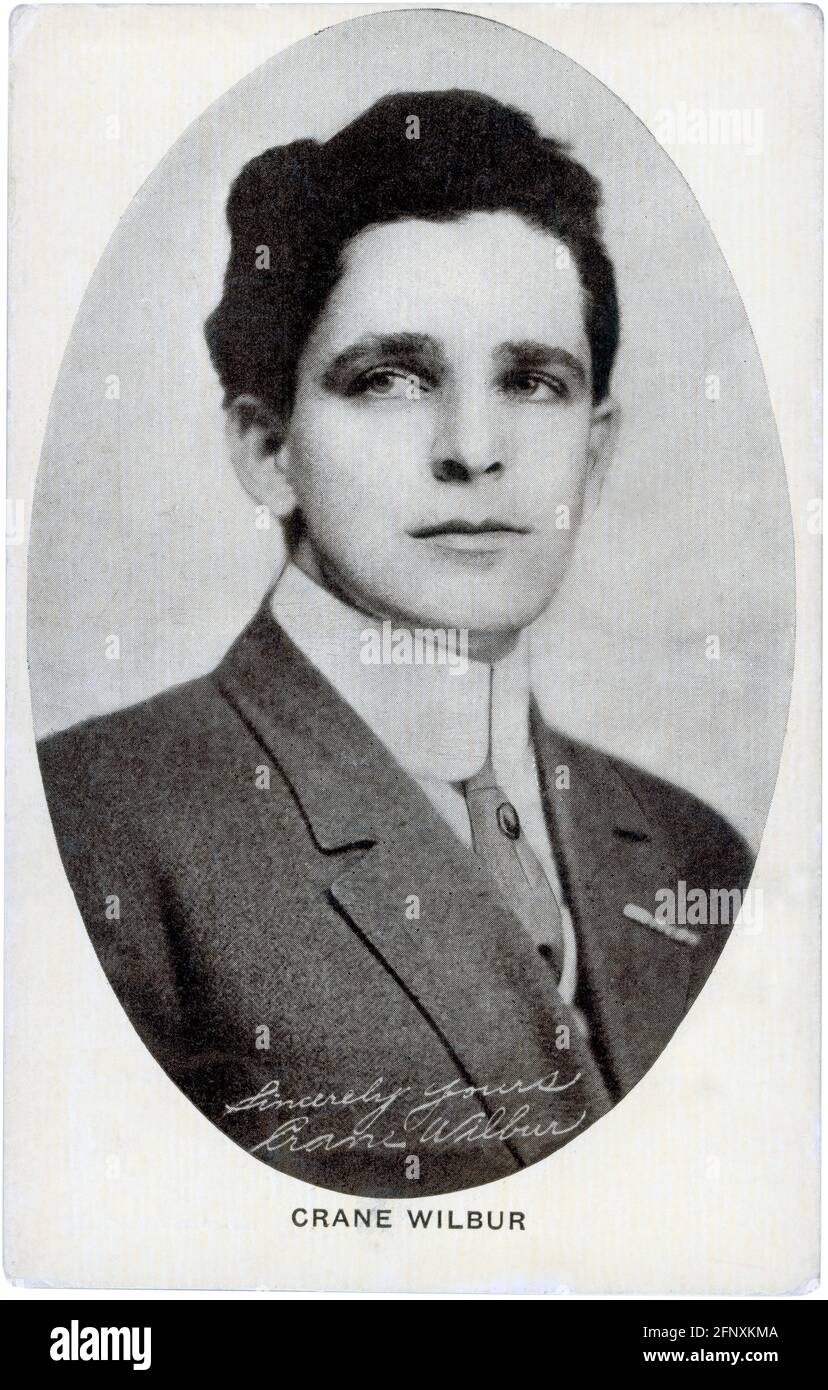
508	820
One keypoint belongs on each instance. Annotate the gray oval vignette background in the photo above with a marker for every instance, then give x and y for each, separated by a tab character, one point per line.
140	529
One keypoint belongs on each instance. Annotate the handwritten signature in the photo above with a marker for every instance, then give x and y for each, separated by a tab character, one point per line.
429	1118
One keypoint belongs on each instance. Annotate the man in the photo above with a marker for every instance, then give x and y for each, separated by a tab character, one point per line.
386	929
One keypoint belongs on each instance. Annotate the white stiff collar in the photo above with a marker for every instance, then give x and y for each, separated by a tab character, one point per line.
433	718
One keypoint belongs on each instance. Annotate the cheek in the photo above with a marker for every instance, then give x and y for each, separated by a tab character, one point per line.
342	463
553	454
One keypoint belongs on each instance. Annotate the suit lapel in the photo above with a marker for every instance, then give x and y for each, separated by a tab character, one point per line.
419	899
635	979
473	972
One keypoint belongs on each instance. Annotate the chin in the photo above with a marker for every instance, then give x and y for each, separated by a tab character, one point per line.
472	613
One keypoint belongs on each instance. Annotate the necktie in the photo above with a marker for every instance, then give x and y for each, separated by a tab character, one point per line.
499	841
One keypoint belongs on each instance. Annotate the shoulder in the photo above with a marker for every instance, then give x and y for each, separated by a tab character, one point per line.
123	791
126	791
128	744
192	728
692	832
149	727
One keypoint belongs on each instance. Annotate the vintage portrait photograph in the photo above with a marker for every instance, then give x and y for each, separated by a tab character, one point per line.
375	913
411	610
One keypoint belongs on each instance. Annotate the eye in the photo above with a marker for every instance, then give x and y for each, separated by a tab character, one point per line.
535	387
390	384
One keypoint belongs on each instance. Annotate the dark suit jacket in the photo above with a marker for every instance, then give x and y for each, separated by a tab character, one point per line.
254	867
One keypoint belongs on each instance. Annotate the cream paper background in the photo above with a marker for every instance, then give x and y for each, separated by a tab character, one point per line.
704	1179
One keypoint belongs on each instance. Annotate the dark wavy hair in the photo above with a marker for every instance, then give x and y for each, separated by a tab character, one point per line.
294	208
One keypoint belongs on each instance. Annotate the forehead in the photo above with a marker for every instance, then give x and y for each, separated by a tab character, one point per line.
488	276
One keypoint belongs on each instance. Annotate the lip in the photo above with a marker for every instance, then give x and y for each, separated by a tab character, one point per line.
454	529
478	542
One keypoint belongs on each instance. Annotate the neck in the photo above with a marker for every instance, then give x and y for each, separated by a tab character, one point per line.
486	647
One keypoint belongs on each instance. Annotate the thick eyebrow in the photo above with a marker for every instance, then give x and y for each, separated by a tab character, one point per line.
416	350
420	351
529	354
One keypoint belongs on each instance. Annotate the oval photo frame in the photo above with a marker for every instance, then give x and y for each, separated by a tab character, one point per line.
329	978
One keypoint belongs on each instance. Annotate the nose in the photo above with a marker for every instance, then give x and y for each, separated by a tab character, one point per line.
467	443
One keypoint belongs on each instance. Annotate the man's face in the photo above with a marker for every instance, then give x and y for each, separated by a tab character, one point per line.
443	439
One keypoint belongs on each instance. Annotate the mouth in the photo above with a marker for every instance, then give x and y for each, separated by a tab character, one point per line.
469	535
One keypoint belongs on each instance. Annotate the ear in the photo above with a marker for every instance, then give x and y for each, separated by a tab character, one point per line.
255	439
603	434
